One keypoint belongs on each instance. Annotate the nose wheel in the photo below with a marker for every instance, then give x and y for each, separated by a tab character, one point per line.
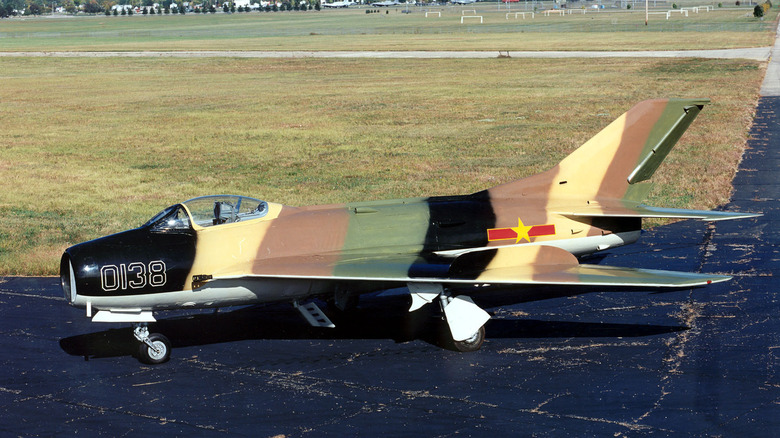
473	343
153	348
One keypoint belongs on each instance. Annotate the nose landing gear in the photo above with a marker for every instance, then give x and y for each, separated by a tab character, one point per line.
154	348
473	343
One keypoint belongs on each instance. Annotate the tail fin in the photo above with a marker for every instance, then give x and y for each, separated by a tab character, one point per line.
610	165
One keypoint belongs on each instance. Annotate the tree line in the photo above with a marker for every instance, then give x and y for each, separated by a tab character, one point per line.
9	8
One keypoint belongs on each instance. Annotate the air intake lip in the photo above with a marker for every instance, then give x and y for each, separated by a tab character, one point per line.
67	278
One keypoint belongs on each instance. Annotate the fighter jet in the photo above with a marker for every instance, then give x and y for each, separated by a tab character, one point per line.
524	236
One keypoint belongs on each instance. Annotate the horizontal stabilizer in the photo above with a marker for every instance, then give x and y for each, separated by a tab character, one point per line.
619	209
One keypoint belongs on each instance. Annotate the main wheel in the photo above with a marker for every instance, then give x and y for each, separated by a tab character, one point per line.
473	343
153	356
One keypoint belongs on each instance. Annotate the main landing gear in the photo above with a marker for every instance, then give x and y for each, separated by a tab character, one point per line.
153	348
466	320
463	339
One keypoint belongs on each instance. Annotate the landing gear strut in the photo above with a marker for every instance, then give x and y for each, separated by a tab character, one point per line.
153	348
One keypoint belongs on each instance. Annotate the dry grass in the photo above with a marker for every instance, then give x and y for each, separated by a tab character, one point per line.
93	146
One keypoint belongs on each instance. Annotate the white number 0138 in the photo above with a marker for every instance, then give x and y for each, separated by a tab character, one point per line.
134	275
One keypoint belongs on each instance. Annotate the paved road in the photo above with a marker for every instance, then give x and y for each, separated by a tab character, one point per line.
757	53
771	85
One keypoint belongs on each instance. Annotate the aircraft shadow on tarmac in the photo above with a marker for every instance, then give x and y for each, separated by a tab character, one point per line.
380	319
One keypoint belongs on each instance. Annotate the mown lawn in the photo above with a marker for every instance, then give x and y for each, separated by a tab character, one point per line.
353	29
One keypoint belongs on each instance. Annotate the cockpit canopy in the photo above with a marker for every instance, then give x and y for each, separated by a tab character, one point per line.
208	211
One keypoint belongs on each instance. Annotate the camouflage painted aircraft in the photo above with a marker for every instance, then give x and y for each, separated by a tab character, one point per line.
233	250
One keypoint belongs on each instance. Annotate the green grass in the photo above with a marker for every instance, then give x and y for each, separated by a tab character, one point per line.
94	146
353	29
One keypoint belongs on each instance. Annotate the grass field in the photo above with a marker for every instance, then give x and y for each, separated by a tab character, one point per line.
94	146
353	29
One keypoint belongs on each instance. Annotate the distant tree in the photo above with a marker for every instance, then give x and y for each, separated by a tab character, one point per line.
92	7
34	9
108	13
167	10
124	11
232	8
181	9
144	11
152	11
130	11
758	11
68	6
317	6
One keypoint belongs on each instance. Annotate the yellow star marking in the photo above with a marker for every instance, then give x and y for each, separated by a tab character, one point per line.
522	231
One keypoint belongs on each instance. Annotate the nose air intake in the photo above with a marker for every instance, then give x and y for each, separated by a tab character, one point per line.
67	278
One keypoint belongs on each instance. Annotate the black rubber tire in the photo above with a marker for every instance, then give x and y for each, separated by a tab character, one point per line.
149	356
472	344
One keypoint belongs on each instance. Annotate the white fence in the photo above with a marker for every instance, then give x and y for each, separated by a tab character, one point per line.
471	16
519	13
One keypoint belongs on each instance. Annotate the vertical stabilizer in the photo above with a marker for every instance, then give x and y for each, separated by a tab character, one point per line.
612	163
